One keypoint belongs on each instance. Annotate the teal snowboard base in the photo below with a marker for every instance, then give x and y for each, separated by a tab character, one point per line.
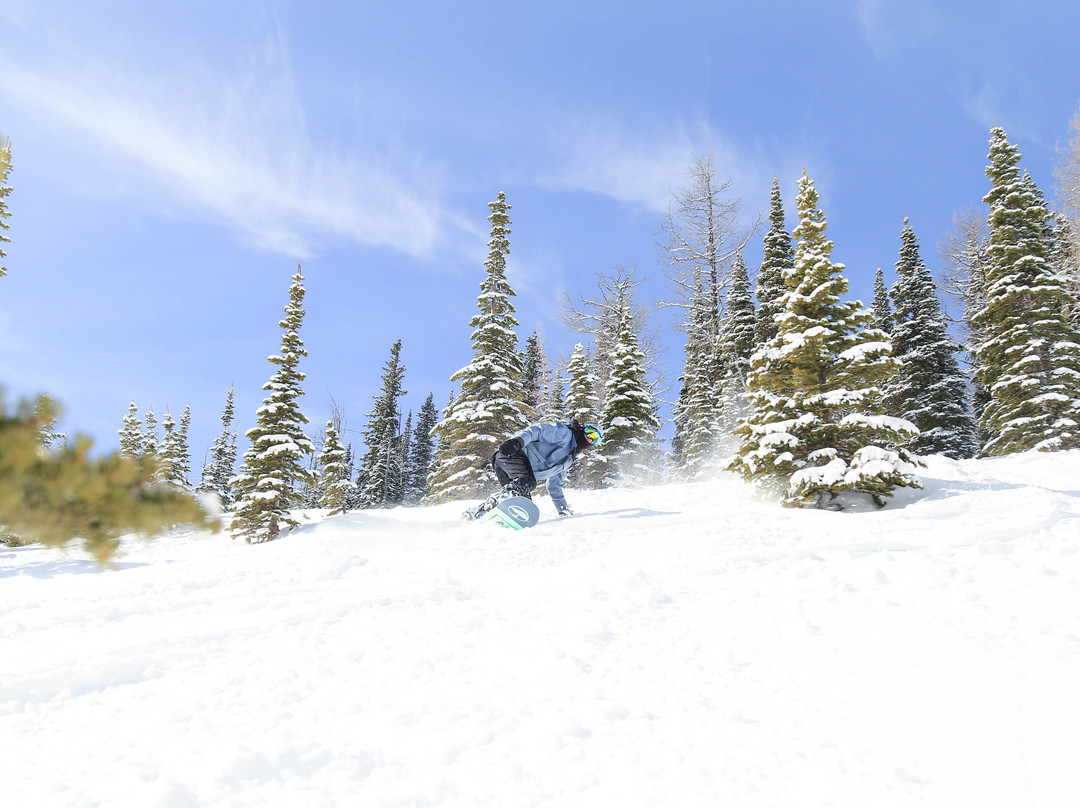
516	513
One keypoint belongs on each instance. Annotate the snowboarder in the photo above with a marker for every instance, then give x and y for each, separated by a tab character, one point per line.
539	452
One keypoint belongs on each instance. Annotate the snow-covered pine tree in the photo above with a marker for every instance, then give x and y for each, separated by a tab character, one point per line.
817	427
175	454
628	420
274	464
532	373
736	345
490	405
132	442
1028	351
151	445
5	191
221	466
378	477
929	390
882	308
778	259
334	482
581	400
695	414
421	453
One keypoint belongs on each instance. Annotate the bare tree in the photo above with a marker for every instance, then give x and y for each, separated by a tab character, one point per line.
702	232
963	254
598	316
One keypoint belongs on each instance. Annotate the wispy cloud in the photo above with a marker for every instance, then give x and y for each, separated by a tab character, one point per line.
890	26
643	169
239	151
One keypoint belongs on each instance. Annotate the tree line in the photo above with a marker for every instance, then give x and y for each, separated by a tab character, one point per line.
815	399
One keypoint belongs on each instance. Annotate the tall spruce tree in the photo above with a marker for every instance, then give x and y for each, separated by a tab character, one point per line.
929	390
132	442
882	308
778	259
151	442
175	455
336	489
695	414
5	192
532	373
379	475
736	345
421	453
817	427
581	405
628	420
219	470
490	405
1029	351
274	464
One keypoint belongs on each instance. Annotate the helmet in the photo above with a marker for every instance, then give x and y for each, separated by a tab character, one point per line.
593	435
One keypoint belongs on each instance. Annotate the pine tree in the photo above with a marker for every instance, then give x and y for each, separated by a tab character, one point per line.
219	471
151	444
273	465
581	405
628	420
489	407
736	345
5	191
132	442
174	454
1029	352
334	482
421	453
532	373
55	496
378	477
929	390
882	309
695	410
778	259
817	427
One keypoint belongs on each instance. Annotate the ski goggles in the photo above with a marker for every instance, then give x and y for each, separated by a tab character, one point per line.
592	435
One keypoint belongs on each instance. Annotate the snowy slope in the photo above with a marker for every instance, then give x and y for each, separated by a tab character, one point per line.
677	646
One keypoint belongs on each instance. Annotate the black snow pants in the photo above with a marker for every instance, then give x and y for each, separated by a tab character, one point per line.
514	471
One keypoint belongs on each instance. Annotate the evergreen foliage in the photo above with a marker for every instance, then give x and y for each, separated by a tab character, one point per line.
736	345
882	309
695	413
379	478
273	465
5	191
56	496
628	420
929	390
217	474
334	484
777	261
132	441
174	455
581	405
421	453
1028	351
490	404
817	428
151	444
532	373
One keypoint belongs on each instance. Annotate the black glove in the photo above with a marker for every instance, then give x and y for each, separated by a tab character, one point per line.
511	447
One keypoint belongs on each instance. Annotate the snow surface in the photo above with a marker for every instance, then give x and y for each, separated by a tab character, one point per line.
683	645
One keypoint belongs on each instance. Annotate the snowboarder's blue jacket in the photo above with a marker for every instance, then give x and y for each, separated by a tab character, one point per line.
550	449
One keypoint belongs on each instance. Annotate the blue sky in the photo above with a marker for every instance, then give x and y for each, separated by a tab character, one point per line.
173	162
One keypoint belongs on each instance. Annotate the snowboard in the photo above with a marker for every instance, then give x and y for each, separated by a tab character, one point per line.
516	513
